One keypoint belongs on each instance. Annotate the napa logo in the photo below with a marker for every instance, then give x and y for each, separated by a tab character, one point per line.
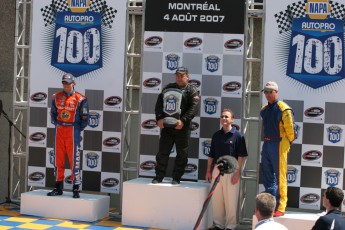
318	9
78	6
78	15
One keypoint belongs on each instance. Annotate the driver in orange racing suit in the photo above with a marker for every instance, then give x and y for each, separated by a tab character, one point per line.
69	113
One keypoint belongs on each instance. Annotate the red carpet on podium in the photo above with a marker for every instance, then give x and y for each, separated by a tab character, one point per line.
10	218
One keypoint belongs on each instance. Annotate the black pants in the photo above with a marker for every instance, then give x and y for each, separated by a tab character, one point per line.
168	138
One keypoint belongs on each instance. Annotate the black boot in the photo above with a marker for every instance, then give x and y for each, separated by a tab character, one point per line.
57	191
76	191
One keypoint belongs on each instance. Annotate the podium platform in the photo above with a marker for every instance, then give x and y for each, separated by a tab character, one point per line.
294	220
88	207
164	205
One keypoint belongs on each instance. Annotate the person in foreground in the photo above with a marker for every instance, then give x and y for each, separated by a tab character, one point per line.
279	132
175	108
69	113
227	141
333	219
265	205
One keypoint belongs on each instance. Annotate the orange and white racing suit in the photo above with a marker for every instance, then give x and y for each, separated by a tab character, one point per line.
69	114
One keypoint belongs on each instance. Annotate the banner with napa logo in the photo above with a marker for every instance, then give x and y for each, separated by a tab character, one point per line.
304	54
86	38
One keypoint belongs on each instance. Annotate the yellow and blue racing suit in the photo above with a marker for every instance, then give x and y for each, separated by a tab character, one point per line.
279	132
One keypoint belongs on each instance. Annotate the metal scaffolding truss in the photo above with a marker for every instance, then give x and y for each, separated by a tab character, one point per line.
132	87
130	119
18	150
255	11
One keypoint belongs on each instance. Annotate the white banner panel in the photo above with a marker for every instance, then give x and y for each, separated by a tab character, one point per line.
208	39
86	38
304	54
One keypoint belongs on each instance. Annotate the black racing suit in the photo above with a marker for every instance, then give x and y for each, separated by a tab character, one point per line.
179	137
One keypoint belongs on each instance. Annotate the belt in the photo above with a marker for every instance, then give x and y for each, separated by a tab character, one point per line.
66	123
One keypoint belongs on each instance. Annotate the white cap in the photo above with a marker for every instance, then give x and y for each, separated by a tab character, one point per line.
270	86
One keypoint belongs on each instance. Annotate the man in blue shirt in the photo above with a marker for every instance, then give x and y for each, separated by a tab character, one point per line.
331	200
226	141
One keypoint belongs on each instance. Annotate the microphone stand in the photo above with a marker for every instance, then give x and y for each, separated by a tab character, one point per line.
207	201
8	198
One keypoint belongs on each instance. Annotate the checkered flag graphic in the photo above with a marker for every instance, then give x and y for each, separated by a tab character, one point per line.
108	16
338	10
48	14
97	6
297	9
100	6
283	20
108	13
60	5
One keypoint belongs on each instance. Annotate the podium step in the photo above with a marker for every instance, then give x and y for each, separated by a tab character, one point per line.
295	220
163	205
88	207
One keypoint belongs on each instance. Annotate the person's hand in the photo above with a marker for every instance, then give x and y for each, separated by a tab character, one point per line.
179	124
236	176
208	176
160	123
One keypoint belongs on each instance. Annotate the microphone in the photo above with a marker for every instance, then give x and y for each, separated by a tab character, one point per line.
227	164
